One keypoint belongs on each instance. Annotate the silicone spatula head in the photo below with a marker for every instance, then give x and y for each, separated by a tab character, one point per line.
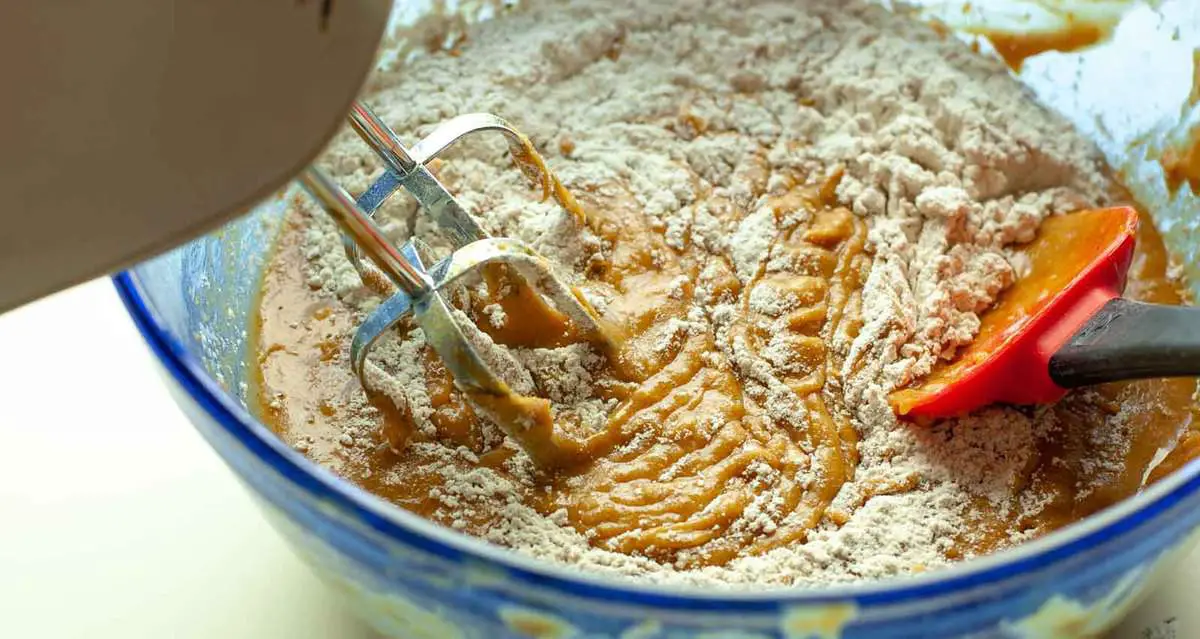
1078	262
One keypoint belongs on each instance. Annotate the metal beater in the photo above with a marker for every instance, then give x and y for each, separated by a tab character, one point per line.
420	289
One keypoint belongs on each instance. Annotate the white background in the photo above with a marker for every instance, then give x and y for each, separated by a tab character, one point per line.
117	520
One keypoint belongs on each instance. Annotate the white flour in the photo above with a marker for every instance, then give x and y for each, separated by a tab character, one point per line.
948	160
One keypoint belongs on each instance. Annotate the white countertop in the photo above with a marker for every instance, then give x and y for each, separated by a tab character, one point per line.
117	520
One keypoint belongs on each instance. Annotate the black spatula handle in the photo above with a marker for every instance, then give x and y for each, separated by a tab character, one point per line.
1130	340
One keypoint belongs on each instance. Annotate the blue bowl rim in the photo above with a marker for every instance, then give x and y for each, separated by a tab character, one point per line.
395	523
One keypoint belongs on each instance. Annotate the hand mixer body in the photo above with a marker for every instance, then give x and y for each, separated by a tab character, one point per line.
131	126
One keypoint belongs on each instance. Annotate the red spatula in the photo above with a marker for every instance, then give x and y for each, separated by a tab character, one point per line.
1063	326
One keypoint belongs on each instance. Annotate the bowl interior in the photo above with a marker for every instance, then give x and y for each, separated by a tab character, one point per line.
1126	95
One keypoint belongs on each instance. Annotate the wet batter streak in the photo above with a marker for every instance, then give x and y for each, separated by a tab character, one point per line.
678	495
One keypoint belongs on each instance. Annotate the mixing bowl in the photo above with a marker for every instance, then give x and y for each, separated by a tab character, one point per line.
411	578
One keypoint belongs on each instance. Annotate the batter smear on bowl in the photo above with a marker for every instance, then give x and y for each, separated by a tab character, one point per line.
789	210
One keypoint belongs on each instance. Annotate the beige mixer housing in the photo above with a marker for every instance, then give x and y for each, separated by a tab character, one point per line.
130	126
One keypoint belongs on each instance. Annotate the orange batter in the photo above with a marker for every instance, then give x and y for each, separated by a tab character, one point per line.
678	496
713	435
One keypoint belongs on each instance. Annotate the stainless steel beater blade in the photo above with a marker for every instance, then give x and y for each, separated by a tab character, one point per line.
417	295
473	248
466	260
365	233
406	168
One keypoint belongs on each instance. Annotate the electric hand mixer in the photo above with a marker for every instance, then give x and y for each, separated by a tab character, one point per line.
140	124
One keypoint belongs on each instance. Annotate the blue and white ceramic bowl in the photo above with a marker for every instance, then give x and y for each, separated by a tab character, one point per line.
411	578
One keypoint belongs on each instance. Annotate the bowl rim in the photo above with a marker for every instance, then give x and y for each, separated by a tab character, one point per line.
396	523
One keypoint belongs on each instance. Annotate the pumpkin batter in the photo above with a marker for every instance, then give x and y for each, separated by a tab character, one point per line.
718	428
712	442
